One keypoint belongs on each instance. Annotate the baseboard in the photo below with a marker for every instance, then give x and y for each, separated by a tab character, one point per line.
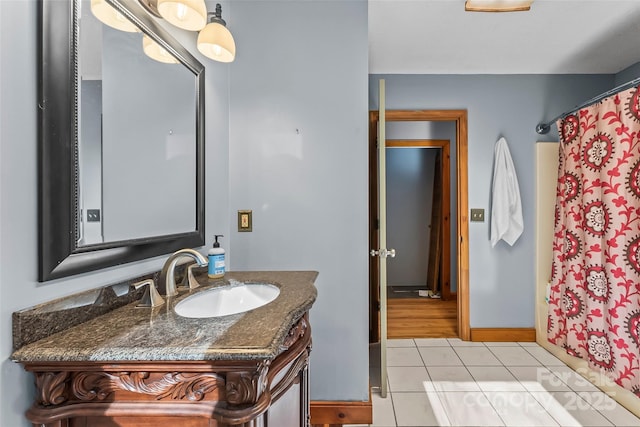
335	413
503	334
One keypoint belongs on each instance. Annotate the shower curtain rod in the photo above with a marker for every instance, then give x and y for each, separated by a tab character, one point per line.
544	128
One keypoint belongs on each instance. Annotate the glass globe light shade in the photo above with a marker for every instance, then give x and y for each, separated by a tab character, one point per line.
186	14
108	15
154	51
216	42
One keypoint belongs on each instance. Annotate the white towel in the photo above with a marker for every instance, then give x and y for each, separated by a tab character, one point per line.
506	207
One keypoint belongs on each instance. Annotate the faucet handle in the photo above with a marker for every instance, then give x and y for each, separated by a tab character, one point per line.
189	279
151	297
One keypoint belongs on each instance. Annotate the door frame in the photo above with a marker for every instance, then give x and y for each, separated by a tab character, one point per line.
462	220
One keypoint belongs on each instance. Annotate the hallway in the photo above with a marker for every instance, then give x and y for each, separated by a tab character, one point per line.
422	317
449	382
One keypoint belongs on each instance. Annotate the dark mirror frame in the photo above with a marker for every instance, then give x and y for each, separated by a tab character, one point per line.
57	106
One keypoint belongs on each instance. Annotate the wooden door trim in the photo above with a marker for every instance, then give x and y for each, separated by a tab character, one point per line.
424	143
462	221
337	413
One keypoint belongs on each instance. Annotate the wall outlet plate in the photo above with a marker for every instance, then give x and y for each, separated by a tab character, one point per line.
93	215
477	215
245	220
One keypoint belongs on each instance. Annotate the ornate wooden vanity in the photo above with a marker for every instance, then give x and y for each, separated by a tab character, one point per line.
217	393
233	382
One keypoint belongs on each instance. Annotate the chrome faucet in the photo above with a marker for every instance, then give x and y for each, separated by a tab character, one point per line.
167	280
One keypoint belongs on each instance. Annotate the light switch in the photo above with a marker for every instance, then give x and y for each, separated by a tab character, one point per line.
245	220
477	215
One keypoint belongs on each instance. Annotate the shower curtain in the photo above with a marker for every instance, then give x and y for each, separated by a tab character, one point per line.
594	304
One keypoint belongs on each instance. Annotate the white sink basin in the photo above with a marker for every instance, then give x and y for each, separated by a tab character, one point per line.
227	300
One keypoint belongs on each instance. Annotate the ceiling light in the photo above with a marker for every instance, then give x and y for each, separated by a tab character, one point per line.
154	51
215	40
497	5
186	14
108	15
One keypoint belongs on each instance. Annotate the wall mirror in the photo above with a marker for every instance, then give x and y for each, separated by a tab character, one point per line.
121	140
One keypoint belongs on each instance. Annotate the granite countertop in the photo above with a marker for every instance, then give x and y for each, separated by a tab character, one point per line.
130	333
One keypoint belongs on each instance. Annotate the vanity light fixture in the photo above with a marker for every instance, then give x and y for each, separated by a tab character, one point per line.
154	51
215	40
497	5
108	15
189	15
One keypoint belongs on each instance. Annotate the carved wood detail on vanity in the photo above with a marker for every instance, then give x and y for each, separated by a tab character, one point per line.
174	385
227	392
295	333
246	387
51	387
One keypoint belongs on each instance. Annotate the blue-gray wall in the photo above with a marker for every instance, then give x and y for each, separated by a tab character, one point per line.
501	282
149	128
410	173
90	154
628	74
298	159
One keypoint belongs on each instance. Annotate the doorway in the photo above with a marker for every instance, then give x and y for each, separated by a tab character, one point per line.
420	303
418	217
459	307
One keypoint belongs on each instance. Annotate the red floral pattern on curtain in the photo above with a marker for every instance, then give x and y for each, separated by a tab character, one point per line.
594	305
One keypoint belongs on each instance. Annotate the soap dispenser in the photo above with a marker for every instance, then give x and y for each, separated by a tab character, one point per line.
216	259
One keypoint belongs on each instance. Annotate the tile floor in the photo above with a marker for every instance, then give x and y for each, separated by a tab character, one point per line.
449	382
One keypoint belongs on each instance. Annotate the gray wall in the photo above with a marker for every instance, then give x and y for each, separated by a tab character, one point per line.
90	155
501	283
630	73
298	160
148	142
18	191
410	173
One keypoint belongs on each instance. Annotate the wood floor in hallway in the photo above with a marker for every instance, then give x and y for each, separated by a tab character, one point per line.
422	318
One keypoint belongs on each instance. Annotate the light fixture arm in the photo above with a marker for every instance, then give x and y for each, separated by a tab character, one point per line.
216	16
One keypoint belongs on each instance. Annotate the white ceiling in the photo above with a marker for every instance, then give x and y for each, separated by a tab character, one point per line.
554	37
